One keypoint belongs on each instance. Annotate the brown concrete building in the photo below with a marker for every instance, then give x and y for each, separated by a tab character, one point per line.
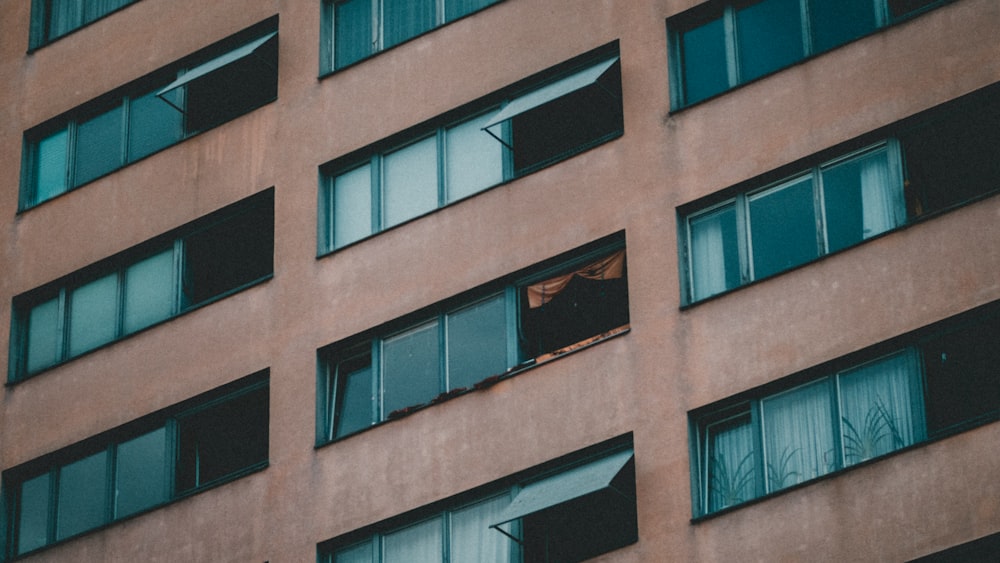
505	281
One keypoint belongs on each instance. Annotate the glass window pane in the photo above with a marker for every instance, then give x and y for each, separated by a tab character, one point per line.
141	473
783	228
93	314
471	537
361	553
731	464
835	22
82	500
64	16
352	206
704	65
474	159
420	543
33	519
352	31
97	8
410	368
352	396
880	406
44	336
455	9
411	182
798	435
477	343
769	37
153	125
860	200
714	248
50	166
98	146
149	291
404	19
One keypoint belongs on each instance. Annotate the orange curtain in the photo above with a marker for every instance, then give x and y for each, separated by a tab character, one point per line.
607	268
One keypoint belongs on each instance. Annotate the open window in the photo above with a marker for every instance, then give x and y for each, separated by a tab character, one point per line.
228	85
566	116
576	514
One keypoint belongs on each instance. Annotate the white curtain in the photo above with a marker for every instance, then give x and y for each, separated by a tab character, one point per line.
880	202
708	264
361	553
880	406
731	465
798	435
472	539
420	543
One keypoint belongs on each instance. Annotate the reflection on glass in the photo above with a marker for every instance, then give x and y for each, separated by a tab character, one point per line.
404	19
93	314
783	228
352	31
474	159
352	396
352	206
477	345
149	291
410	368
410	182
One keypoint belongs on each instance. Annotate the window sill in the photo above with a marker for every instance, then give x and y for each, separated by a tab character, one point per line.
492	380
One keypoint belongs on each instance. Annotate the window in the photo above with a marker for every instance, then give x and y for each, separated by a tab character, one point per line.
720	45
575	512
931	163
51	19
925	385
220	254
356	29
469	342
217	437
397	180
150	115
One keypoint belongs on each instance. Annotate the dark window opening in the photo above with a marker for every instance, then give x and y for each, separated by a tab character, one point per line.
229	255
568	124
234	89
222	440
899	8
593	301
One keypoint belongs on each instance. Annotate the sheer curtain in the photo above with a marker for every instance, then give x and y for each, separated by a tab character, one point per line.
881	207
708	252
361	553
352	31
64	16
472	539
880	406
420	543
731	466
404	19
97	8
798	435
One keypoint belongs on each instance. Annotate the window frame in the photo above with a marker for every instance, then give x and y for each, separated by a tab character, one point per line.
119	265
704	13
124	99
914	344
110	442
374	156
40	33
328	56
509	290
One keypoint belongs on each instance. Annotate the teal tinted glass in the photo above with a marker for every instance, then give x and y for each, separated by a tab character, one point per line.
44	336
783	228
83	494
33	516
93	314
98	146
141	473
49	171
477	342
410	372
769	37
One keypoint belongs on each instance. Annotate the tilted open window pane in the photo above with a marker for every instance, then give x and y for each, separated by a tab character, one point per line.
33	514
149	291
351	402
83	495
93	314
141	473
477	338
410	368
410	182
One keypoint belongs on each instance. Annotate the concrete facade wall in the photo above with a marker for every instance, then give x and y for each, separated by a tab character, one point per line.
644	382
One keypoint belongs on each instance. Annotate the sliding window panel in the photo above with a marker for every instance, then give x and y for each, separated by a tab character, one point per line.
93	314
782	227
141	473
768	36
477	342
83	495
149	291
798	435
44	346
714	252
410	368
49	166
474	160
153	124
98	146
352	206
352	31
410	182
835	22
33	513
862	199
704	63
